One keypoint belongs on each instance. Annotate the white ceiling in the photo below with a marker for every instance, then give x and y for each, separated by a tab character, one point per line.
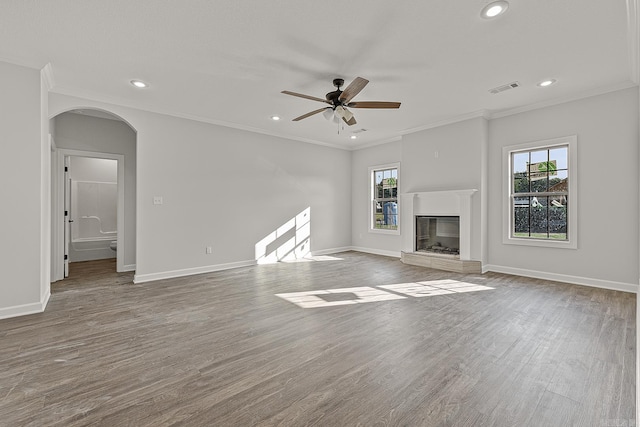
226	61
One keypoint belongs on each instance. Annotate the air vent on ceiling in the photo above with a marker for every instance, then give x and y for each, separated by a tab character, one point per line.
358	131
504	87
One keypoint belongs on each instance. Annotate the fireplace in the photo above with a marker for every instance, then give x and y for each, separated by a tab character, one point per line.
438	235
440	230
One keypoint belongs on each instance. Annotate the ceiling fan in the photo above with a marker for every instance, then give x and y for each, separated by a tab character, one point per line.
339	100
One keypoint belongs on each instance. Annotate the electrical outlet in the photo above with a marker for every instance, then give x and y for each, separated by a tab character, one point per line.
157	200
209	250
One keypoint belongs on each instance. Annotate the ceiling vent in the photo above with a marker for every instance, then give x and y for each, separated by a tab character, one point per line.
358	131
504	87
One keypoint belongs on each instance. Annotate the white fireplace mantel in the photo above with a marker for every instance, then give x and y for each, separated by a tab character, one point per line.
437	203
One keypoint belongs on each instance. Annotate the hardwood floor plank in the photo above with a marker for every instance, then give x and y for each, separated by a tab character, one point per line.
222	349
558	411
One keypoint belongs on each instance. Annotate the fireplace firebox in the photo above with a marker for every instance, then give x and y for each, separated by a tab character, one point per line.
438	235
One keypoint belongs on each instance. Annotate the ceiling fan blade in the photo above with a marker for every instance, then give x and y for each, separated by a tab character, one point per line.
373	104
304	116
351	121
300	95
353	89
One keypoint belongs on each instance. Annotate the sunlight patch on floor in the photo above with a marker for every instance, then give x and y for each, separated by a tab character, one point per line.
366	294
434	287
312	299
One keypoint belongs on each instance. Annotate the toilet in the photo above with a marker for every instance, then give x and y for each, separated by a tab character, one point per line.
114	246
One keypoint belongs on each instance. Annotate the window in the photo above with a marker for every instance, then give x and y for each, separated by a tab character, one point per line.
541	196
384	199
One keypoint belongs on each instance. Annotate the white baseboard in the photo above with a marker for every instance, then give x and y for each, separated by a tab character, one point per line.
24	309
331	251
129	267
382	252
44	299
565	278
141	278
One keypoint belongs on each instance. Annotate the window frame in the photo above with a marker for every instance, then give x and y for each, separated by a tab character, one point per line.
372	198
572	192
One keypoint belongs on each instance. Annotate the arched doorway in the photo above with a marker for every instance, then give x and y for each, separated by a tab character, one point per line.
93	189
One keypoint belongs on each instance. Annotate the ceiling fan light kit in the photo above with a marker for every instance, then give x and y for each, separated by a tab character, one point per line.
340	99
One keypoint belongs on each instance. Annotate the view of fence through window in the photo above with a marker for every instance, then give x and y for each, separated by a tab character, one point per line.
385	199
540	193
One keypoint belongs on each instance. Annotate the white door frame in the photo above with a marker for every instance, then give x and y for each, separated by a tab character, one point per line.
57	216
66	221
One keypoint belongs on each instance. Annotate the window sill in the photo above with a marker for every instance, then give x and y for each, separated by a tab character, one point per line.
382	231
559	244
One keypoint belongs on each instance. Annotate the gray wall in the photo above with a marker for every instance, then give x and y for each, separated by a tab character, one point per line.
460	149
470	156
224	188
20	191
458	165
229	189
607	131
361	160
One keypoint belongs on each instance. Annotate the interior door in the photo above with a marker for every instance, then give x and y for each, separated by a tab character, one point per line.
67	215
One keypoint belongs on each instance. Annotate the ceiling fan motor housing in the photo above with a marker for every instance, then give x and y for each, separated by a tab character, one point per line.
333	97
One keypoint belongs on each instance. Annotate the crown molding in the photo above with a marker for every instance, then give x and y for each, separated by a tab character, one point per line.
157	110
633	39
375	143
486	114
21	61
461	118
561	100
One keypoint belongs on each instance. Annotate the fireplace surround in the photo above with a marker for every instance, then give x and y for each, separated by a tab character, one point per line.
446	250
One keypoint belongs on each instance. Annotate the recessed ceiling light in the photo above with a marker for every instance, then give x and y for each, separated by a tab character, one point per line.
547	82
354	136
276	118
139	84
494	9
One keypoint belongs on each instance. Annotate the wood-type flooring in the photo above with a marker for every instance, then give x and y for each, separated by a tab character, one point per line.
221	349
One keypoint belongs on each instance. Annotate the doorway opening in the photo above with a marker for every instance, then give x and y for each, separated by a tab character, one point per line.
93	192
91	209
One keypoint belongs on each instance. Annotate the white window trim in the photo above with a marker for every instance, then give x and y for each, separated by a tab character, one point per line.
370	192
572	219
